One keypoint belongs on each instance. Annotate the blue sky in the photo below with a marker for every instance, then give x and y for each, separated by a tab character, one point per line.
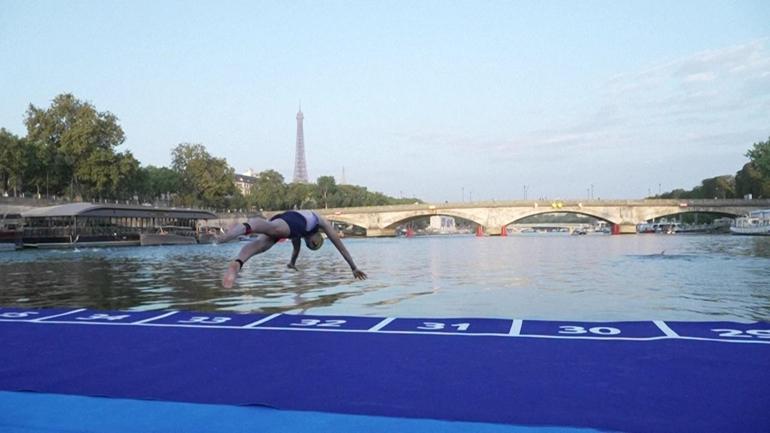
441	100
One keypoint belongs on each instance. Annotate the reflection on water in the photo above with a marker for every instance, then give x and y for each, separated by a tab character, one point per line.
550	277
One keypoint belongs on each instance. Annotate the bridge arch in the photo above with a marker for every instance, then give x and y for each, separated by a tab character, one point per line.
403	219
343	220
596	215
721	213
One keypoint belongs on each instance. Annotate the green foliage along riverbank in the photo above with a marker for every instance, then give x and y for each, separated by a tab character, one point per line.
70	153
753	179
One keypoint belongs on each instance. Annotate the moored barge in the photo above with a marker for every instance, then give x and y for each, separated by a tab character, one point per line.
93	224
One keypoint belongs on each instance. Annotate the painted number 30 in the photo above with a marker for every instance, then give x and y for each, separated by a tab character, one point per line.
600	330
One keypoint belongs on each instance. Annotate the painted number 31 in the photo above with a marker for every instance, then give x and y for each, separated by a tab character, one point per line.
435	326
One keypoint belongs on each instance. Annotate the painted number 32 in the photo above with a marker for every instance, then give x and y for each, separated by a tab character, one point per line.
320	323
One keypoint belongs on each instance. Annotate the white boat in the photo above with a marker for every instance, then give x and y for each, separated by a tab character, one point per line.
756	223
664	226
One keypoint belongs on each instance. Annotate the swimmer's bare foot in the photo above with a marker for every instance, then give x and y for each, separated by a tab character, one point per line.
232	272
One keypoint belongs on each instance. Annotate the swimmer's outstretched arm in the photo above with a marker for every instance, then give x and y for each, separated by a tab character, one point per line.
332	235
297	244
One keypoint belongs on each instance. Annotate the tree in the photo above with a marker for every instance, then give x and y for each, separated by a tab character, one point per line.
108	174
158	182
718	187
78	144
750	181
327	186
36	169
237	201
205	180
760	158
713	187
269	192
128	182
13	162
301	196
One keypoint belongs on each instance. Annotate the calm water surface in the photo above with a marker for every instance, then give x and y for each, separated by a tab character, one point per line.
525	276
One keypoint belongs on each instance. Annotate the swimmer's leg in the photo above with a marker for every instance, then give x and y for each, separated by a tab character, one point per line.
261	244
277	229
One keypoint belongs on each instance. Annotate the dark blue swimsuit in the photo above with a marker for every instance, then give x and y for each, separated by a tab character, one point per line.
297	224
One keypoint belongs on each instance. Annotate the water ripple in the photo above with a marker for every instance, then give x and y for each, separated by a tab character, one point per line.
550	277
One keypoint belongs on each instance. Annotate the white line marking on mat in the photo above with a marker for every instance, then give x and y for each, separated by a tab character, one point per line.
58	315
516	327
262	320
382	324
665	328
155	318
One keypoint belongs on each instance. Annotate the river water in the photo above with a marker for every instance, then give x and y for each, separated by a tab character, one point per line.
538	276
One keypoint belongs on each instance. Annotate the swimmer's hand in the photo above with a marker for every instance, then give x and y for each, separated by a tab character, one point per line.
232	271
359	274
292	266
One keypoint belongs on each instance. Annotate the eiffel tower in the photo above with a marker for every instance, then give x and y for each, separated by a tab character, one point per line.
300	166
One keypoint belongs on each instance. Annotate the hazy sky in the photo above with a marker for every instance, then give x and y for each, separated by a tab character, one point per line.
426	99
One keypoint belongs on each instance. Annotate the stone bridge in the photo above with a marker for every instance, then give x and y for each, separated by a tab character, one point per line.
493	216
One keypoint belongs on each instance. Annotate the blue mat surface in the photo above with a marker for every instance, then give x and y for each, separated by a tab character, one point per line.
621	376
38	412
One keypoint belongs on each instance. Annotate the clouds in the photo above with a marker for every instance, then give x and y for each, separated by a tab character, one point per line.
713	96
707	96
713	84
677	121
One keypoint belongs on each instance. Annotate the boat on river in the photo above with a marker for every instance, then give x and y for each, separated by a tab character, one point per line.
718	226
98	225
756	223
666	227
10	231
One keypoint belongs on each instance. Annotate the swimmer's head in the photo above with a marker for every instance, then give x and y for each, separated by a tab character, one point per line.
314	241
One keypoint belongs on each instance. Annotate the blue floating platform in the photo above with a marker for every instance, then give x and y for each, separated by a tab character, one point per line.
337	373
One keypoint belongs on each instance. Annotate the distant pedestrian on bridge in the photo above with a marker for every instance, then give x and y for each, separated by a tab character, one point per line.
294	225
